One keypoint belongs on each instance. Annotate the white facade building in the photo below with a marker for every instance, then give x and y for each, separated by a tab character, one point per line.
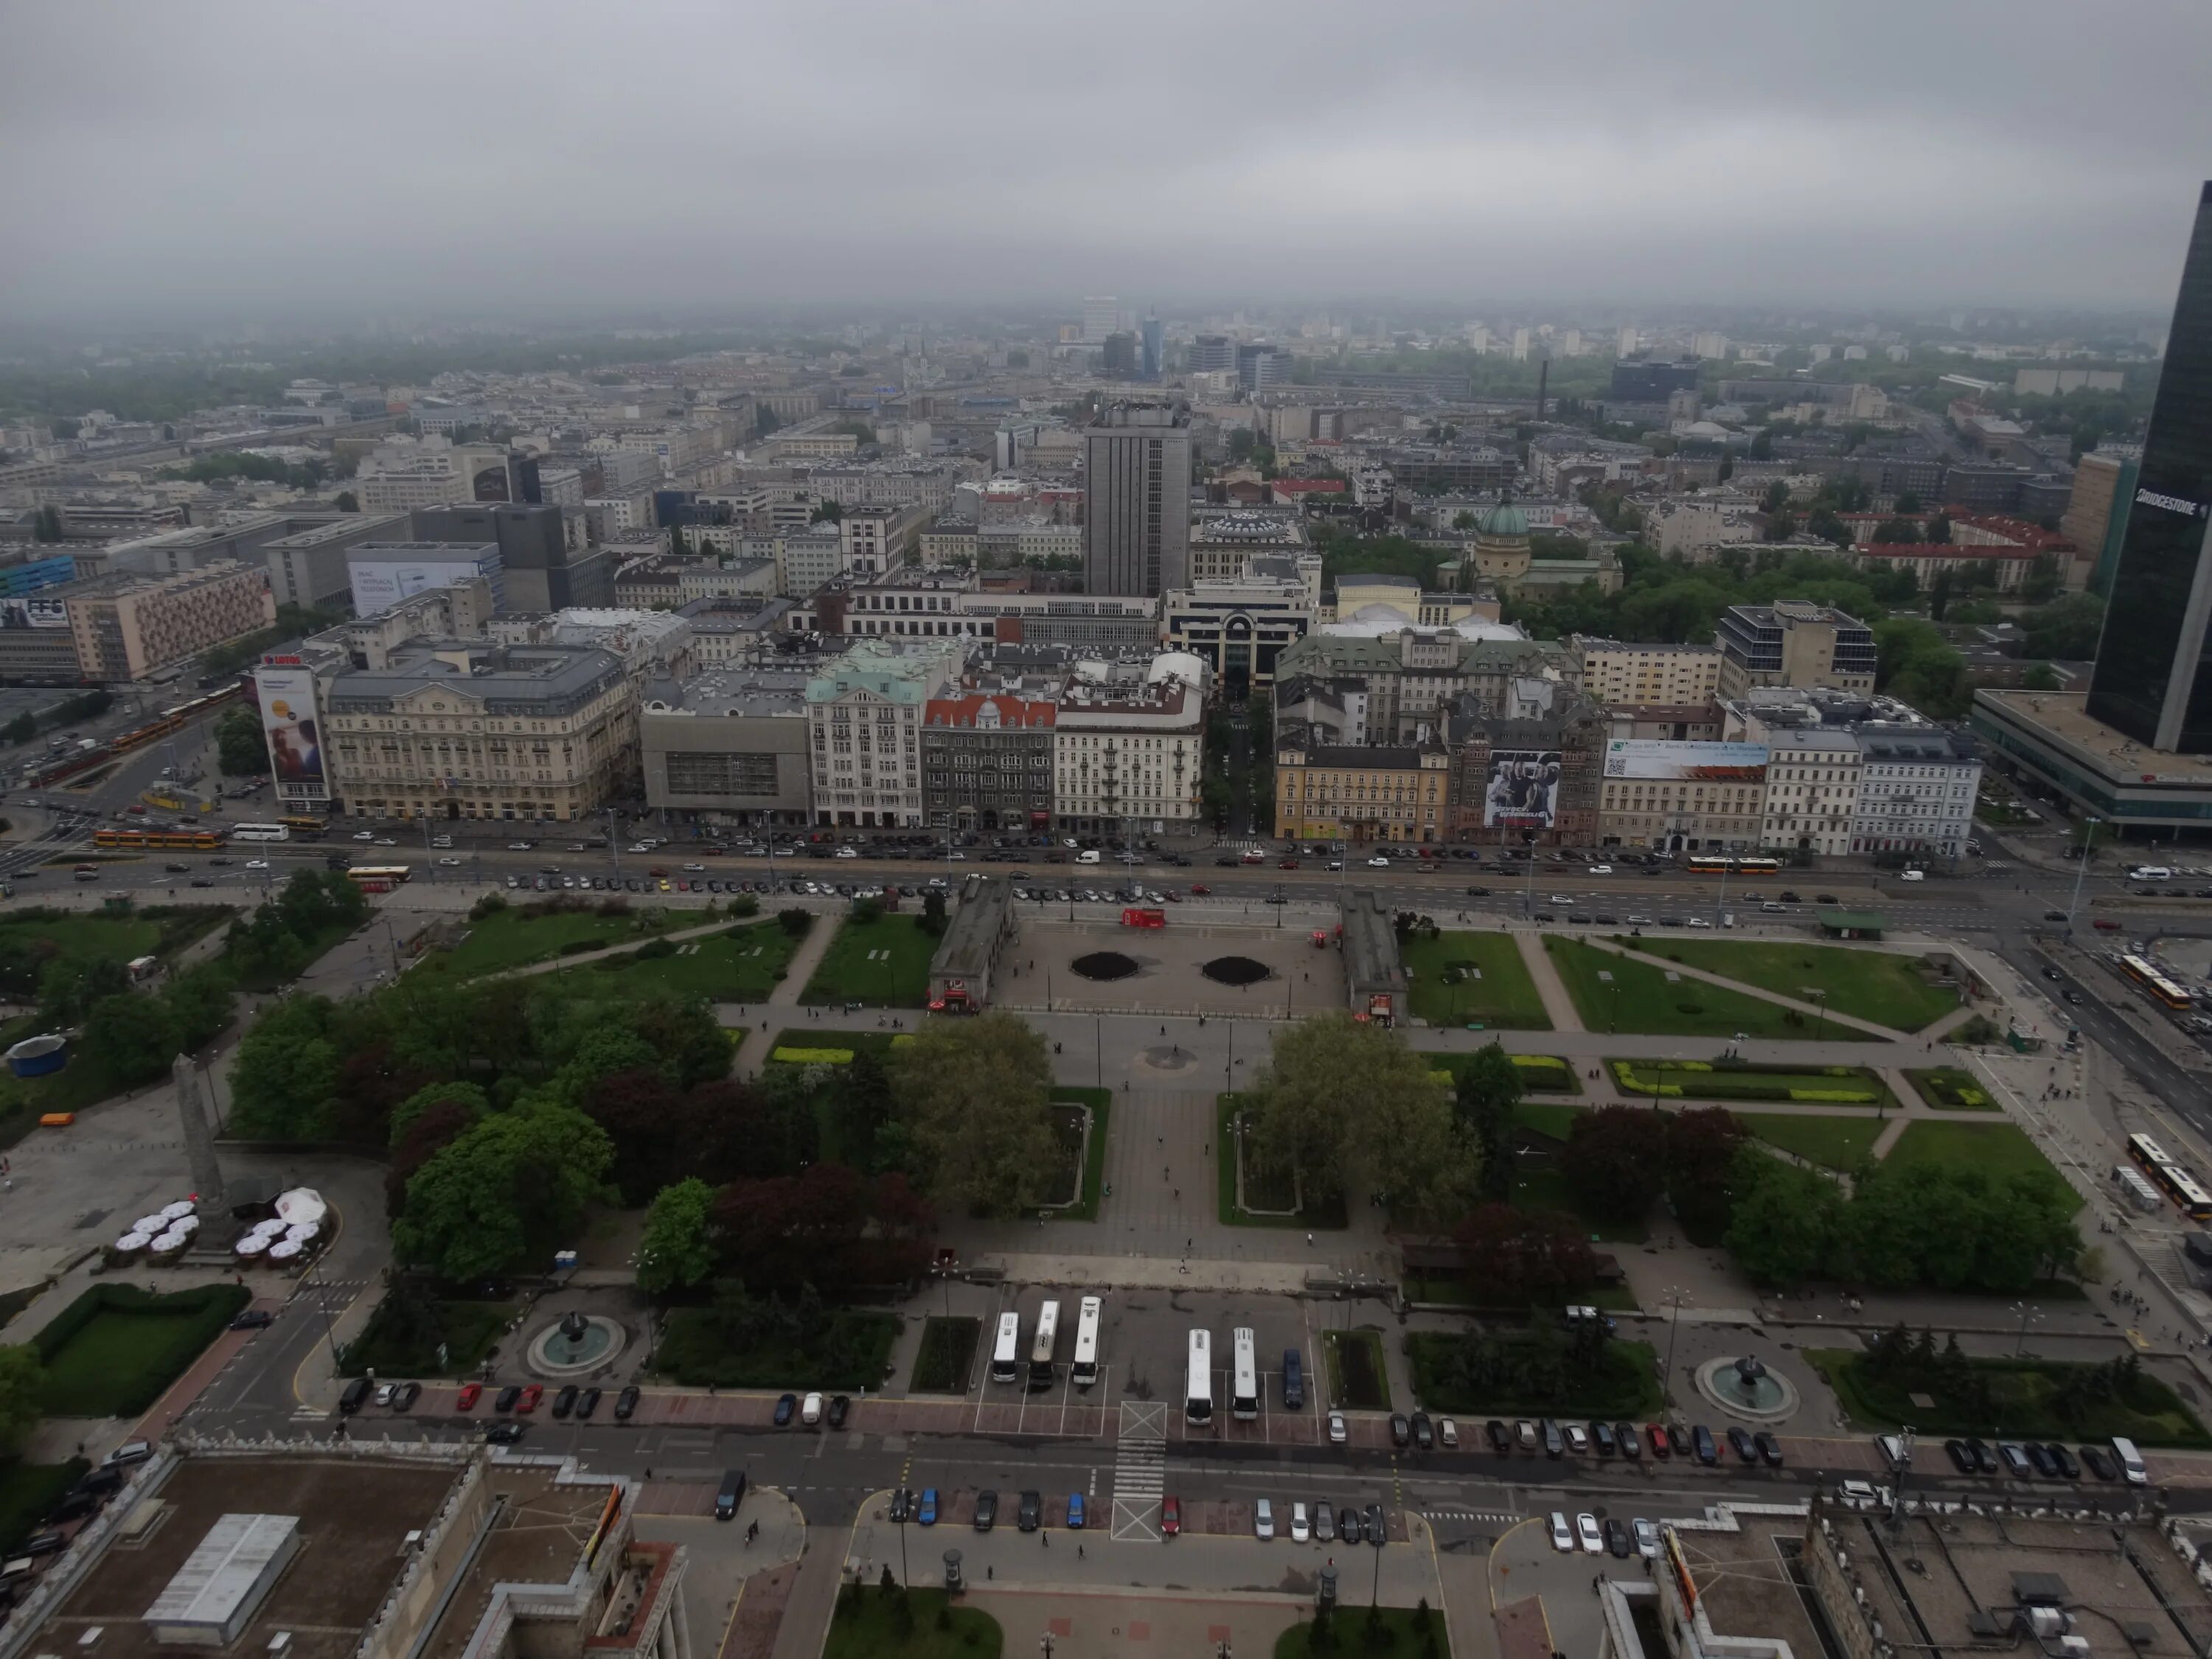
1916	788
864	721
1812	791
1128	754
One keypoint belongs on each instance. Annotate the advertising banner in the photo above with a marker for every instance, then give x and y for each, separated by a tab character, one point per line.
21	611
1524	791
1690	763
288	718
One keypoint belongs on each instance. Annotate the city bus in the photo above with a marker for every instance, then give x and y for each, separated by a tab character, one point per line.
2156	984
172	840
1727	864
1048	1337
1006	1356
1244	1396
259	832
378	877
303	825
1085	1372
1198	1392
2170	1178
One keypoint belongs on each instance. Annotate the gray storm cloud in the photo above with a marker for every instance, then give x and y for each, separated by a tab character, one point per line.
551	154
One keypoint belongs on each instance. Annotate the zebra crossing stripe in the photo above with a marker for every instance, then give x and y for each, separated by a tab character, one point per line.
1140	1456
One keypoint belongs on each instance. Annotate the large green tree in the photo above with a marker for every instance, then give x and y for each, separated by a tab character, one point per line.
1612	1156
1784	1220
287	1073
973	1093
515	1185
677	1249
1489	1087
1342	1097
240	749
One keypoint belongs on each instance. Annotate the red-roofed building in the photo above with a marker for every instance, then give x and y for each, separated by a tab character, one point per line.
1926	559
987	759
1296	489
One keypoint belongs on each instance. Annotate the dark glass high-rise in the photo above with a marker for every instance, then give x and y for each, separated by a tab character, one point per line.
2150	680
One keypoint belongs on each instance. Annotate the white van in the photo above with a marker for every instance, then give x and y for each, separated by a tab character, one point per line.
1913	875
2150	872
1089	855
2130	1460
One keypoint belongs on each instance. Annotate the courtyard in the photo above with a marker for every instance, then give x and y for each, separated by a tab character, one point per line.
1258	971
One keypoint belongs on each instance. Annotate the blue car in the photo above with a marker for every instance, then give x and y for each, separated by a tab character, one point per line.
1075	1511
784	1408
927	1514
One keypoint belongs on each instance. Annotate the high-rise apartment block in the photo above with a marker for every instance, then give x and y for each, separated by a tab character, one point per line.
1136	499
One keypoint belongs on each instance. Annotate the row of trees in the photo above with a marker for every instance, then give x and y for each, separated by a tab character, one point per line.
285	934
1920	1226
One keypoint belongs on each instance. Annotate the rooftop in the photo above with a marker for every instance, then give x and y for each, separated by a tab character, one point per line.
772	692
2064	717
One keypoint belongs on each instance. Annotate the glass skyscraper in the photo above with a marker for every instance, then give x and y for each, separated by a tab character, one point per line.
2151	679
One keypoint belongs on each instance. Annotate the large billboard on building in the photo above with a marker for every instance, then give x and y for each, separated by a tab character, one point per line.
288	719
1524	791
27	611
1686	763
378	585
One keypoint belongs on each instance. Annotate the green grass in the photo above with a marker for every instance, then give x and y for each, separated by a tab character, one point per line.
1998	1149
1541	1187
1699	1079
868	1625
1833	1143
2023	1400
469	1330
28	1492
84	936
1624	1384
743	964
1373	1633
113	1351
1318	1213
1881	985
849	1350
948	1349
1639	999
1359	1381
1090	1179
1949	1088
514	938
900	980
1504	998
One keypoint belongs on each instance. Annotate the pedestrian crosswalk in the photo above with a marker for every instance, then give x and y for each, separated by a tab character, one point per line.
1499	1517
1140	1475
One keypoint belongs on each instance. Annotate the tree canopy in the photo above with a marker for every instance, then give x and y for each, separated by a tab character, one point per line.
973	1092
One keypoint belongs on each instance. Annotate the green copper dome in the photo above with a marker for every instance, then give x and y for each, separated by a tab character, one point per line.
1503	519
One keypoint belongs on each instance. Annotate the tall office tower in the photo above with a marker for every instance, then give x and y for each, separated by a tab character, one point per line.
1210	351
1151	344
1118	355
1136	499
2150	680
1627	345
1102	315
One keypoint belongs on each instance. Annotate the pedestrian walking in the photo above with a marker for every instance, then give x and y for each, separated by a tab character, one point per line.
1045	1539
1079	1551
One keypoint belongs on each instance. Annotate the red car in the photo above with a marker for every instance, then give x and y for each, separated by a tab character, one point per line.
1288	864
2103	924
470	1393
1199	889
1655	1437
1171	1516
530	1396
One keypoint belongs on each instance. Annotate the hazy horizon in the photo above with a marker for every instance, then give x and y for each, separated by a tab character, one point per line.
554	158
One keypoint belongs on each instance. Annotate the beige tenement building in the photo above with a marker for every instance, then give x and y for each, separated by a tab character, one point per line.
465	729
1616	674
126	627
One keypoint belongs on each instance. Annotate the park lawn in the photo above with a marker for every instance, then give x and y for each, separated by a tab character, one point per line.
1318	1213
1998	1149
1703	1079
1881	985
1090	1180
95	935
1639	999
1952	1088
1624	1384
849	1350
884	963
28	1493
1504	998
947	1351
469	1331
1371	1633
1835	1142
1359	1381
2023	1403
1541	1187
868	1625
113	1351
514	938
742	964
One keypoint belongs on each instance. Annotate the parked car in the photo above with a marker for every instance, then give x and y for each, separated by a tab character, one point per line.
586	1403
1170	1515
1656	1434
405	1395
841	1405
1448	1432
1563	1535
1263	1519
1616	1537
1338	1431
1401	1431
530	1395
1593	1540
1625	1437
986	1510
506	1433
925	1511
810	1413
253	1319
1701	1443
565	1401
787	1406
1425	1432
1301	1524
1029	1511
507	1396
1740	1443
465	1401
1770	1449
1647	1539
1501	1437
1075	1511
626	1403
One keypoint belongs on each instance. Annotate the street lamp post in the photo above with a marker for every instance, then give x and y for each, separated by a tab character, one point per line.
2089	840
1814	993
1673	1329
2028	1315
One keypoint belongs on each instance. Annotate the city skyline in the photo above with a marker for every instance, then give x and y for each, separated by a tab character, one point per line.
1717	154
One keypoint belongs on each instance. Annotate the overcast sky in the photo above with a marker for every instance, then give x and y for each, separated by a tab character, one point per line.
473	153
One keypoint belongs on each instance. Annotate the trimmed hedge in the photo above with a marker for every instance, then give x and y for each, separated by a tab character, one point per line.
113	1351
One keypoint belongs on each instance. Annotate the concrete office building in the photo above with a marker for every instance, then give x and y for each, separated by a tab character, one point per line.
729	746
543	567
1795	644
127	627
2150	681
309	568
1239	629
1136	497
454	729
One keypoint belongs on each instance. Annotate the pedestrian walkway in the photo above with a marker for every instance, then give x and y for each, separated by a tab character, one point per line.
752	1053
1139	1469
1559	1006
813	1595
